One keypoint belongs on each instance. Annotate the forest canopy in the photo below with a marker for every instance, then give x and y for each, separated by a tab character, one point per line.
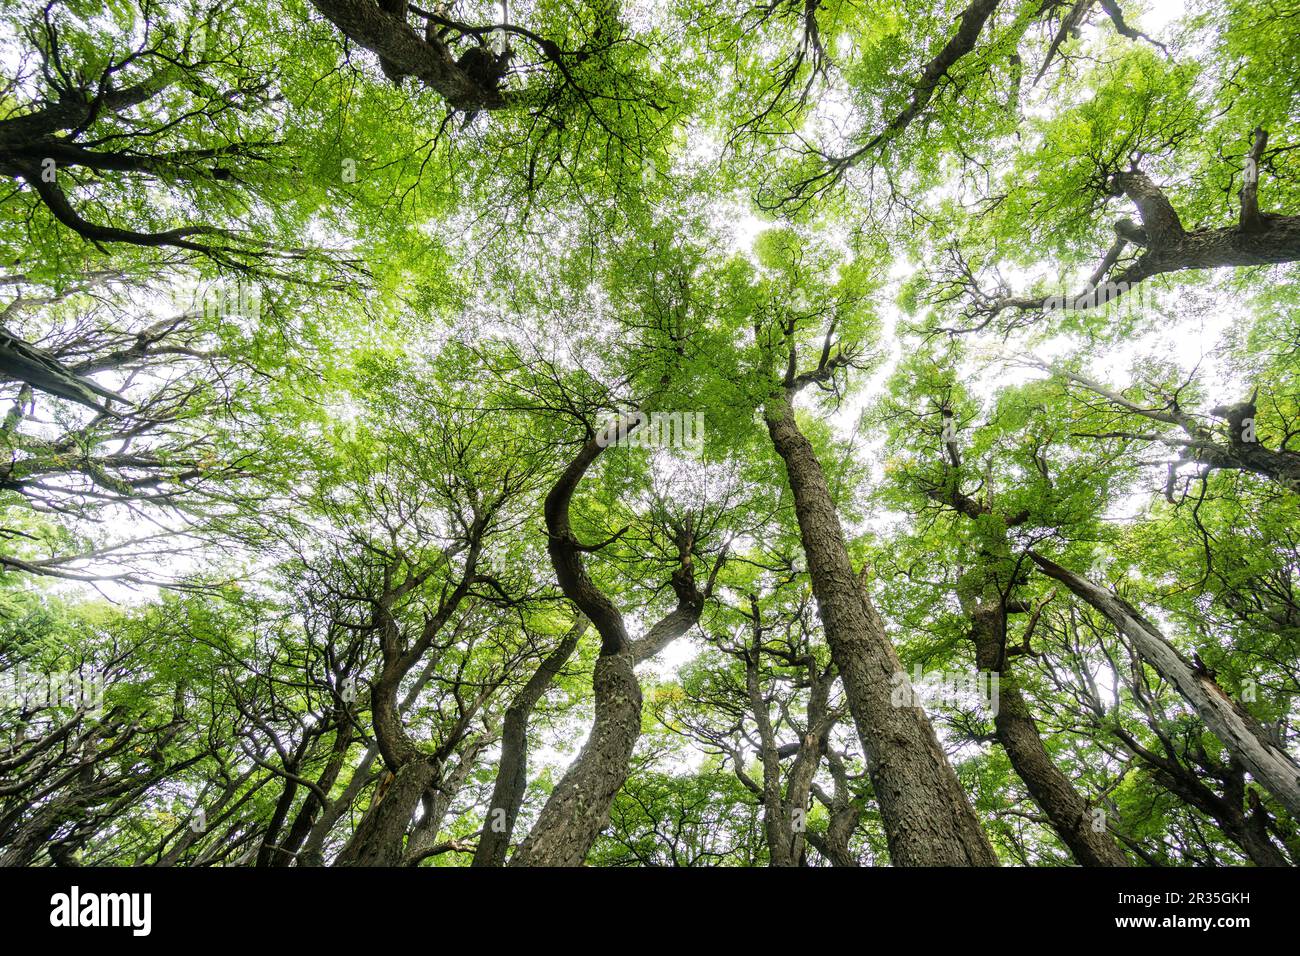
650	433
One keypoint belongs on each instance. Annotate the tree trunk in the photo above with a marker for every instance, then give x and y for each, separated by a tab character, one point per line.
928	820
1250	831
311	805
1050	789
379	839
437	802
1251	835
268	852
1018	733
578	809
512	770
25	846
313	849
1272	768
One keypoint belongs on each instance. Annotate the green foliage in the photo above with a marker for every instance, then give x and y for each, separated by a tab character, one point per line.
328	495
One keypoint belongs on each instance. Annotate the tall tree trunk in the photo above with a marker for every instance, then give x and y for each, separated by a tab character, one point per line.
1019	736
1050	789
437	801
301	827
268	851
844	815
578	808
512	770
1238	731
784	812
313	848
379	839
928	820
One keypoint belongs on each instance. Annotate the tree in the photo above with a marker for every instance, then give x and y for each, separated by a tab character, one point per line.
539	434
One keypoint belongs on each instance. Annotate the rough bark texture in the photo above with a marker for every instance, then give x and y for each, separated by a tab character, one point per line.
578	808
1265	240
1016	730
512	770
380	837
405	53
422	842
1272	768
928	820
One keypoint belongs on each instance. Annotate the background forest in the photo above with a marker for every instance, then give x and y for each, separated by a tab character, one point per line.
649	433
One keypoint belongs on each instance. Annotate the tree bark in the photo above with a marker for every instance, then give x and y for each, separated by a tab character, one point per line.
512	770
437	801
844	815
1202	445
928	820
313	848
392	38
578	808
784	810
1019	736
379	839
1271	767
